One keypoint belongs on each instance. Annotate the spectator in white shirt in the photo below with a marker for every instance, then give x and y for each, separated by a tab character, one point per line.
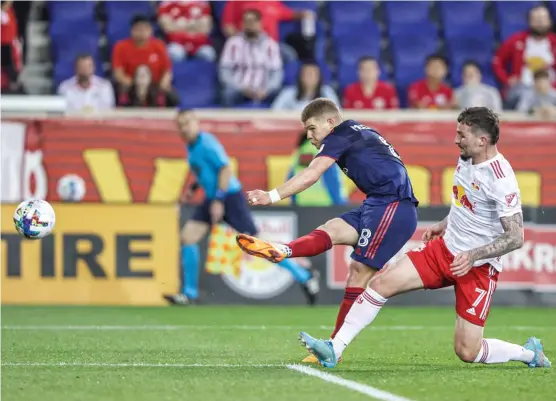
85	91
251	67
309	87
474	93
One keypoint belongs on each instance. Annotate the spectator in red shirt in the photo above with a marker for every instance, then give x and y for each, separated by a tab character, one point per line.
272	13
432	92
187	25
11	50
141	49
525	53
369	92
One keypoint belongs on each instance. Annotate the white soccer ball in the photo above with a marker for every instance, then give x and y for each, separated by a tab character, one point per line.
71	188
34	219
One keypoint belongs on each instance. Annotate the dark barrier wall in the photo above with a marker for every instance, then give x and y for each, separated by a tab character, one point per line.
532	273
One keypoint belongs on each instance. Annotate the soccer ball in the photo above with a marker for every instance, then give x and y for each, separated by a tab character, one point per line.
34	219
71	188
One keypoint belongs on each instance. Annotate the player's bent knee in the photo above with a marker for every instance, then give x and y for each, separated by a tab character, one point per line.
466	352
359	275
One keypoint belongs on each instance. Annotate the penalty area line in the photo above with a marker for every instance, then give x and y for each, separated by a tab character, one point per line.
349	384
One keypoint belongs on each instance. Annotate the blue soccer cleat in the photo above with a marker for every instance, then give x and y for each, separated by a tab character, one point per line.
321	349
540	360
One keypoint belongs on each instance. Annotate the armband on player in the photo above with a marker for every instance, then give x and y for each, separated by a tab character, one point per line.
220	195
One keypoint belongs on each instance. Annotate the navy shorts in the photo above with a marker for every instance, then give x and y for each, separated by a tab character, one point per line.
383	231
236	213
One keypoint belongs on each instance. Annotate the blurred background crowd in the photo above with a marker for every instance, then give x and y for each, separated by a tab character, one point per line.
280	55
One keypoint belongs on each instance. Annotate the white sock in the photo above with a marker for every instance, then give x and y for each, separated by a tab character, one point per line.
361	314
498	351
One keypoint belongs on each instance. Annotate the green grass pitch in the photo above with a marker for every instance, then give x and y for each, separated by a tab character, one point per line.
241	353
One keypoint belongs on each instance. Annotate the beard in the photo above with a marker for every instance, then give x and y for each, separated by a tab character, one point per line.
464	157
250	34
539	32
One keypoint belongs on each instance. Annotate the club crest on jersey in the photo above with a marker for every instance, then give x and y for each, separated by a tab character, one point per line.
511	199
475	186
461	199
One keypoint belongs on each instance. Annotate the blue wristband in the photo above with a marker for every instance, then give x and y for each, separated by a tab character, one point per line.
220	195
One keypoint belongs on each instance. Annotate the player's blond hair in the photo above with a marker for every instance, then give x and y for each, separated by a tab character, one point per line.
319	107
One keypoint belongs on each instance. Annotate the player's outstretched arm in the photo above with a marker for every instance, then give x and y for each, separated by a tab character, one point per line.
294	185
512	239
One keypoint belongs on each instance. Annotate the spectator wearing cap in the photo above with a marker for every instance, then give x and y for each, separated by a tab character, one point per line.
523	53
539	100
251	67
473	92
141	49
187	25
370	92
309	87
85	91
432	92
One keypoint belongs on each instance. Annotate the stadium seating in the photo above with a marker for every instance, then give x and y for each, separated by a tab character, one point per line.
349	12
349	48
196	83
513	11
461	12
508	28
401	12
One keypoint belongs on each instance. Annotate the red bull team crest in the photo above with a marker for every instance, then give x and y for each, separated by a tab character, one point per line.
461	199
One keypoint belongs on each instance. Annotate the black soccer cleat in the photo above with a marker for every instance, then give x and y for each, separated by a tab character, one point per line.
312	287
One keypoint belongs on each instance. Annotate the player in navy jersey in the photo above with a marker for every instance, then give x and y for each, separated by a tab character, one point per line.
377	230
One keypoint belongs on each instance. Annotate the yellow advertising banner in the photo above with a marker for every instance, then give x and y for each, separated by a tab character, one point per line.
98	254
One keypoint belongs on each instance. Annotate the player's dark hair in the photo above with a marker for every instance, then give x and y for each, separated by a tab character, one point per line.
540	74
139	18
256	13
436	57
481	119
366	58
319	107
318	91
472	63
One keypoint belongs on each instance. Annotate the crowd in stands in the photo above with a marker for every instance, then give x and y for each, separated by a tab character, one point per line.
362	55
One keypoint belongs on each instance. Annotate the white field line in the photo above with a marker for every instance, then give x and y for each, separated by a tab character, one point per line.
141	365
239	327
349	384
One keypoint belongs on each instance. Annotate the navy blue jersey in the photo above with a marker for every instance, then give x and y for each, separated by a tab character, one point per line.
370	162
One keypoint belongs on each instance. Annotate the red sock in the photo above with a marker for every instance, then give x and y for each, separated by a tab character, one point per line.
350	296
312	244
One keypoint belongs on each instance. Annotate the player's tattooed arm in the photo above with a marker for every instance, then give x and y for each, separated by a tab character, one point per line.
512	239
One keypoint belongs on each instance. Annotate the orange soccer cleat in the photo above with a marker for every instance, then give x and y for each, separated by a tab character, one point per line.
274	253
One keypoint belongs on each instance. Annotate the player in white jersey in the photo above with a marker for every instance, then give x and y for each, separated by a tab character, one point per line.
485	222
